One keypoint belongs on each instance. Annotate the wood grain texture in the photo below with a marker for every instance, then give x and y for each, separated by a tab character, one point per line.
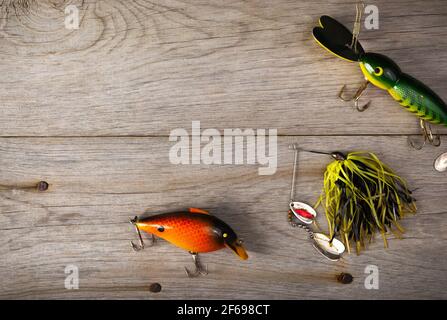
144	67
90	111
97	184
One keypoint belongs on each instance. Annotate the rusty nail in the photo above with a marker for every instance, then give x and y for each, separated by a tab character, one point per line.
155	287
345	278
42	186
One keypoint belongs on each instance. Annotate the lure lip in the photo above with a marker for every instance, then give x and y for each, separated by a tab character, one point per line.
238	249
295	205
336	38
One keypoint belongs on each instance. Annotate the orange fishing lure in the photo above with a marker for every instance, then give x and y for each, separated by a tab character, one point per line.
194	230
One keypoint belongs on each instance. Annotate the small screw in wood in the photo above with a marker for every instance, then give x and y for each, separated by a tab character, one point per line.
345	278
155	287
42	186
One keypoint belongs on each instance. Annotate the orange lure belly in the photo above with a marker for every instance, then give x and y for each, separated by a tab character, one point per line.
193	232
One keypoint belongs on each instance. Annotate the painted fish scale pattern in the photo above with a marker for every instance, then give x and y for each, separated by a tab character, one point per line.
420	101
191	232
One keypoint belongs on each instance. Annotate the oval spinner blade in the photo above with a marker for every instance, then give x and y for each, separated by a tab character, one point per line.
441	163
304	212
332	251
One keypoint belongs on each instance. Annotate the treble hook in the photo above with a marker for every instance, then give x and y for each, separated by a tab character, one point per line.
428	136
356	96
199	268
140	246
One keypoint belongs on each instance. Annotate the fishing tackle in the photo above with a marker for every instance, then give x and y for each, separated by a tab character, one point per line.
441	162
303	215
194	230
383	73
362	196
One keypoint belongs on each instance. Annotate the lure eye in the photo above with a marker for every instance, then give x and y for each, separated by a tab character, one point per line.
378	71
225	235
161	229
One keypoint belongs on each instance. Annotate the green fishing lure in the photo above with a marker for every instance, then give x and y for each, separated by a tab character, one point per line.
382	72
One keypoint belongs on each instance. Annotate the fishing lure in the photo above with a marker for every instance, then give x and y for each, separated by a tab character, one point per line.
383	73
362	196
303	216
441	162
194	230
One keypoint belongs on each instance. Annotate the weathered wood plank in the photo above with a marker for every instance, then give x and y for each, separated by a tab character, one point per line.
143	68
97	184
147	67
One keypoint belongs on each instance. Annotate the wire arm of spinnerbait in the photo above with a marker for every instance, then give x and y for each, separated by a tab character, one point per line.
294	147
199	268
141	245
427	137
356	96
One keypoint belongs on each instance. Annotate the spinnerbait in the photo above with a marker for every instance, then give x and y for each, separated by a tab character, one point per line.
303	216
362	196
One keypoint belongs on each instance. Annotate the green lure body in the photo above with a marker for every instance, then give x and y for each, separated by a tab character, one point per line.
411	93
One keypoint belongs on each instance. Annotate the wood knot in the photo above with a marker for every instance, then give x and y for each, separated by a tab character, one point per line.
18	7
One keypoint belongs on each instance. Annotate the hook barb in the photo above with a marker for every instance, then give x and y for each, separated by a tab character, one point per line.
140	246
356	96
199	268
427	137
361	108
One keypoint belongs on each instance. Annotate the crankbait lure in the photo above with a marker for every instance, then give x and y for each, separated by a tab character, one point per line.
361	196
383	73
303	215
194	230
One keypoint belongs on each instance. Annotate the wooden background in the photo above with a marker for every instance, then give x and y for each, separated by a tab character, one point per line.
90	111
